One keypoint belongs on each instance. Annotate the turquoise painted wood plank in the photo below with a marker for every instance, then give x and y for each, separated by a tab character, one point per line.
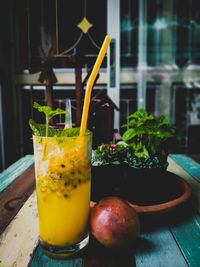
158	249
187	164
187	235
41	260
14	171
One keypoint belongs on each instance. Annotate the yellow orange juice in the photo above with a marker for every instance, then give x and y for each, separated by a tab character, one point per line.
63	182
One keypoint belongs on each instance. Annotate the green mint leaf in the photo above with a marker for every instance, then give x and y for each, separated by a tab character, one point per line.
40	129
58	111
48	111
45	109
34	127
70	132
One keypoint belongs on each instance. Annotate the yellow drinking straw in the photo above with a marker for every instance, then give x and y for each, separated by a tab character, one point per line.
91	82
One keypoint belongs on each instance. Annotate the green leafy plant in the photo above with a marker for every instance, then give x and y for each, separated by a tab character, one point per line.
40	130
49	113
107	154
149	136
45	130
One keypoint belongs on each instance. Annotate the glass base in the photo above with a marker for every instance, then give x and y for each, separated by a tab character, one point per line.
64	252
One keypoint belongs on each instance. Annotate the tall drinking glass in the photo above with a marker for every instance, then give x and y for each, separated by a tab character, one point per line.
63	182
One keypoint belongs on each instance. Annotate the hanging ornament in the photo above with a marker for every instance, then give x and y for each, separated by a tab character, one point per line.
85	25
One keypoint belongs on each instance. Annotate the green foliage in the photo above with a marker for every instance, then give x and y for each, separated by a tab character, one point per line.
49	113
149	136
45	130
40	130
110	154
147	163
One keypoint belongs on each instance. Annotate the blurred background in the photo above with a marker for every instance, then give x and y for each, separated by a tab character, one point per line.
153	62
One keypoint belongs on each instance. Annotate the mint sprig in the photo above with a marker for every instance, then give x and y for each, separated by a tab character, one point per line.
40	130
49	113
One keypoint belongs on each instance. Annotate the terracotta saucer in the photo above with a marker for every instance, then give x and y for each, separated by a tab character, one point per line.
167	206
182	192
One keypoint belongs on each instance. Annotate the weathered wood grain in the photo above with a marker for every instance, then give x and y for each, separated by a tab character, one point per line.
186	228
178	169
158	249
188	164
14	171
41	260
15	195
187	235
21	236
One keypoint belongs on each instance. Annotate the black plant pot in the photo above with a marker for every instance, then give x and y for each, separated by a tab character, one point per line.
146	187
140	186
106	181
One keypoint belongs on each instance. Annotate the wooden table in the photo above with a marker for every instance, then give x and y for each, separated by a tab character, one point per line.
165	241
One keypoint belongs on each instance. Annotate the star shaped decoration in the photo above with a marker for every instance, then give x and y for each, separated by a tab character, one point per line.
84	25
